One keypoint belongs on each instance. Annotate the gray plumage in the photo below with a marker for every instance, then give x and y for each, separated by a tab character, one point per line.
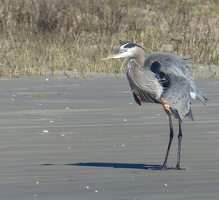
146	81
161	78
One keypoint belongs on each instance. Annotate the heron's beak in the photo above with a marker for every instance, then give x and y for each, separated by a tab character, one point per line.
111	56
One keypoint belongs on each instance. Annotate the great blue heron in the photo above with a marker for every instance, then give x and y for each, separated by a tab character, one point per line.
161	78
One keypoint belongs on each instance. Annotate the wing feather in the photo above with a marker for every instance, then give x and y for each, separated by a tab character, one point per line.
179	99
169	64
143	83
164	75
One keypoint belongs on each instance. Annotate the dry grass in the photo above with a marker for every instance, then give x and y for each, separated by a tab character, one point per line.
40	37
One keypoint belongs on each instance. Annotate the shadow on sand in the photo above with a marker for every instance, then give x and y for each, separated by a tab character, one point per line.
112	165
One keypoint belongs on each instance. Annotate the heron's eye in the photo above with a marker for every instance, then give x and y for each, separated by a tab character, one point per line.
123	50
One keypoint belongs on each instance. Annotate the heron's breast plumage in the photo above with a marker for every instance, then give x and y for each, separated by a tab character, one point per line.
143	83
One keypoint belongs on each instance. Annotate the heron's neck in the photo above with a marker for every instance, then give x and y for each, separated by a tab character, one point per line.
140	57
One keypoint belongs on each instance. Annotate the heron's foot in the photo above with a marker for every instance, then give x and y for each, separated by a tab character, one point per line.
164	167
178	168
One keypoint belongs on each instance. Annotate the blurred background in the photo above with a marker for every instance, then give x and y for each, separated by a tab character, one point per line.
41	37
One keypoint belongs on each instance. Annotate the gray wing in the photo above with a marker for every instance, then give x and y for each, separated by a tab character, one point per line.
178	97
172	65
171	72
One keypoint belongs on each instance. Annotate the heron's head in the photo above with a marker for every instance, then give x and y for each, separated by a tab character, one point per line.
126	50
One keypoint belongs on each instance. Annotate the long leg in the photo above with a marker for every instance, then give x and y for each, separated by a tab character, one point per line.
164	166
179	146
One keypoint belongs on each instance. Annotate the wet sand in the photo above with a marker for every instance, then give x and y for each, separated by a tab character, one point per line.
65	138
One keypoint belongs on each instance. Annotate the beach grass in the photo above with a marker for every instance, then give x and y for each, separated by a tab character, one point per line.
40	37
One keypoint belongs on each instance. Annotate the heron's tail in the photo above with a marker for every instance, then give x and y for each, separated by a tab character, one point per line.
197	93
202	97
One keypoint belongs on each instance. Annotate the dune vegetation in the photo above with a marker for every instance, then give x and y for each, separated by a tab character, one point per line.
40	37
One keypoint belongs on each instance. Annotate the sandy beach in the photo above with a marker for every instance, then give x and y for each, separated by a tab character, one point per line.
66	138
